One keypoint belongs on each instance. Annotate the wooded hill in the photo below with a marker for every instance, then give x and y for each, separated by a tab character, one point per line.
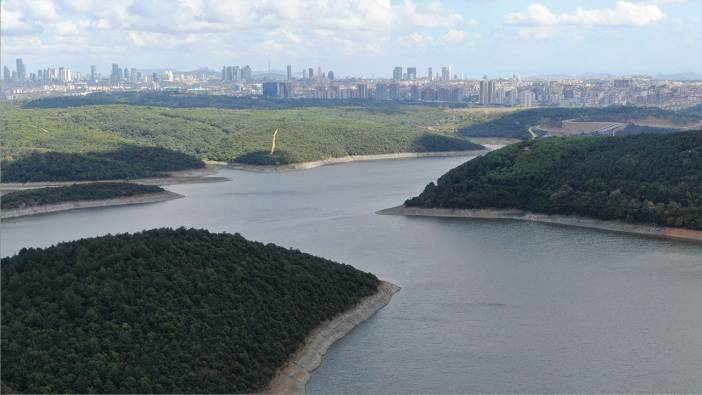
125	162
306	134
70	193
163	311
650	178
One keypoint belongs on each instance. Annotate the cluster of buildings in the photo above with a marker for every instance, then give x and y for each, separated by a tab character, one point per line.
406	84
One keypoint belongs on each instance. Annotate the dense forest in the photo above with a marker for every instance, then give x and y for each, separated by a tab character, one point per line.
163	311
305	134
91	191
126	162
517	124
186	100
649	178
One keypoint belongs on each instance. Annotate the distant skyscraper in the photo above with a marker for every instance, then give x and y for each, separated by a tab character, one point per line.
445	73
304	74
125	74
132	75
310	73
411	73
93	73
289	72
483	97
116	74
330	75
430	74
6	74
246	73
21	71
450	73
397	73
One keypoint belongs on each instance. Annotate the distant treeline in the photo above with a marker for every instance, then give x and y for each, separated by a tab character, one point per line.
164	311
517	124
185	100
128	162
648	178
92	191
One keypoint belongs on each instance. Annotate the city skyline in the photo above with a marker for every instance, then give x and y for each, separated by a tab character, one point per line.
363	38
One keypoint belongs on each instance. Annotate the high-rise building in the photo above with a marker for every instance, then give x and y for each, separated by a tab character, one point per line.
21	70
304	74
394	91
450	73
362	91
310	73
116	75
93	73
330	75
411	73
445	73
289	72
125	74
397	73
246	73
483	97
132	75
6	74
62	74
430	74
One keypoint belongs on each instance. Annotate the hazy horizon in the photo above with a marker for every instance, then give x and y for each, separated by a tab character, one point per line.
360	38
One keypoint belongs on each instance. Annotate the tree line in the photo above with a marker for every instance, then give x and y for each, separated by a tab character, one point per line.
648	178
91	191
164	311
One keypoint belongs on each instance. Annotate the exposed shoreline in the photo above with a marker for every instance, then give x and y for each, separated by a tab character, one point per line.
293	378
570	220
193	176
352	158
78	204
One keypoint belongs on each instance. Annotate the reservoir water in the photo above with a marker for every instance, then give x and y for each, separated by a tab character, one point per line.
486	305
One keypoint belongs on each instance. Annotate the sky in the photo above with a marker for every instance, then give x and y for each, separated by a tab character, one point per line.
359	37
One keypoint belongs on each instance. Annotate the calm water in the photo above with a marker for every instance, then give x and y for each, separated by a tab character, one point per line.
486	306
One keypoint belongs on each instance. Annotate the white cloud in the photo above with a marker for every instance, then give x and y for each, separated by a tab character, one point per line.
624	13
350	27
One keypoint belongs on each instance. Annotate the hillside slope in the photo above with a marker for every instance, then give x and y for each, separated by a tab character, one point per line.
163	311
647	178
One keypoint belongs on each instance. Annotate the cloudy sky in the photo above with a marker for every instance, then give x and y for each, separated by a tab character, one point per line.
359	37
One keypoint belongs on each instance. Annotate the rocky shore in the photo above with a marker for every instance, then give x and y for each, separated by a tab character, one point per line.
51	208
570	220
293	377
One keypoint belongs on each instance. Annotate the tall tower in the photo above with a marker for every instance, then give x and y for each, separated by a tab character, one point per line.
289	74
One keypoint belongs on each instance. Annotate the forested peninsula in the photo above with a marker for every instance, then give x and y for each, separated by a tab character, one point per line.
648	179
92	191
164	311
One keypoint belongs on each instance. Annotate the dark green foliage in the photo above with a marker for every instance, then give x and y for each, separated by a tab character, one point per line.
517	124
92	191
164	311
184	100
125	163
637	129
651	178
305	134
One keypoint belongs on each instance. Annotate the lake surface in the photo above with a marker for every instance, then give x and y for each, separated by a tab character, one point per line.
486	305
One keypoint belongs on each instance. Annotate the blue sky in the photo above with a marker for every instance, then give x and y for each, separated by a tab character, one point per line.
360	37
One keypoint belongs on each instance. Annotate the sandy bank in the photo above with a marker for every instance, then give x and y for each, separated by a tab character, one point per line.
570	220
52	208
293	378
353	158
171	178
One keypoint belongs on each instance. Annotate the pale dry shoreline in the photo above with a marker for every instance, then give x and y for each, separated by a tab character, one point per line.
350	158
193	176
293	378
570	220
78	204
